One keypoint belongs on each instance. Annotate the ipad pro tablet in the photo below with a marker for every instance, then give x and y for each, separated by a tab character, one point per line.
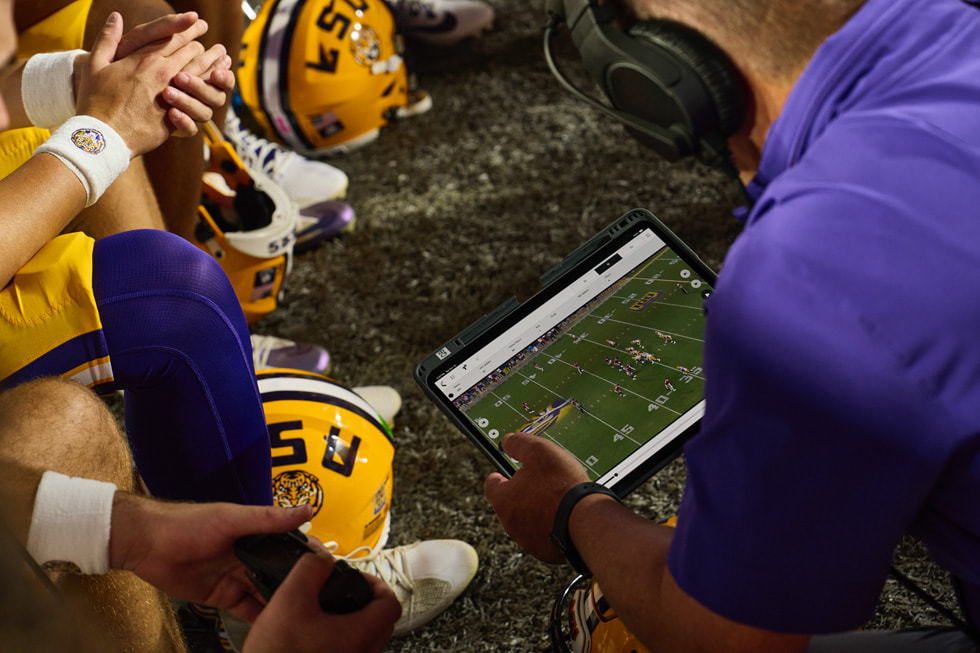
605	360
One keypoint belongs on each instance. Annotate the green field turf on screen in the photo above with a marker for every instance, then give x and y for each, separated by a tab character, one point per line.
662	296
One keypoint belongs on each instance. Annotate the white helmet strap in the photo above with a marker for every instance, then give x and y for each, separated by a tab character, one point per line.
389	65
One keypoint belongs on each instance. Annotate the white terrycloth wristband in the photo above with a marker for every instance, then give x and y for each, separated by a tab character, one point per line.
47	88
92	150
71	523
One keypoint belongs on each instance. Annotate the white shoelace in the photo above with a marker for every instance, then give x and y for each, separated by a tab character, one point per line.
390	565
258	152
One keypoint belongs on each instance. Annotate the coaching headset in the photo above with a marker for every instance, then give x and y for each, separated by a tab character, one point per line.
672	88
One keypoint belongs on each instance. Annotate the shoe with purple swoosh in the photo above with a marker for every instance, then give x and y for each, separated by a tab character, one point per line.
443	22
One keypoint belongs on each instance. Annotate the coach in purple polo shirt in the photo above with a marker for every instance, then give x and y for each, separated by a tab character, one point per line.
842	352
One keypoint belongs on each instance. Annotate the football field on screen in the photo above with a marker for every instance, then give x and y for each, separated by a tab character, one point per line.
654	322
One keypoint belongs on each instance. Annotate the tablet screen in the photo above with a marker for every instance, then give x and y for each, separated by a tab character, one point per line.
606	361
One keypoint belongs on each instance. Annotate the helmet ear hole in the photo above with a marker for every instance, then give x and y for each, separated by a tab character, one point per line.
318	76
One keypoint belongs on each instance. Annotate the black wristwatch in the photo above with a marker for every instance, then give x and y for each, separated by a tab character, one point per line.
559	531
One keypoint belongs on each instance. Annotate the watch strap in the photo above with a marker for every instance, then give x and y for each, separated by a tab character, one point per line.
559	532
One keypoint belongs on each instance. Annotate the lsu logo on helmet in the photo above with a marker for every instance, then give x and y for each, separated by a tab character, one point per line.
323	76
330	449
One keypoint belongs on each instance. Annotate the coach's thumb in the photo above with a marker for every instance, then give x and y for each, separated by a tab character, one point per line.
494	487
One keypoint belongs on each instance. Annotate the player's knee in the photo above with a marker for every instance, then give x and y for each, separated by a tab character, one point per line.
178	283
57	395
203	274
58	424
169	261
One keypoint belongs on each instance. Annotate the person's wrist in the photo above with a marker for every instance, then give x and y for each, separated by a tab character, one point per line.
70	523
48	88
580	513
81	65
579	520
92	149
576	499
128	527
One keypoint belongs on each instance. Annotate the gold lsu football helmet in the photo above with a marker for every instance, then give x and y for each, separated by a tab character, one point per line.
332	450
248	224
594	627
323	76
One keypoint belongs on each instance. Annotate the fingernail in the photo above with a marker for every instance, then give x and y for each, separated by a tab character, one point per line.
300	509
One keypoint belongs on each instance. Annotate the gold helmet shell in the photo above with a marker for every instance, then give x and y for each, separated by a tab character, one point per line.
332	450
248	224
322	76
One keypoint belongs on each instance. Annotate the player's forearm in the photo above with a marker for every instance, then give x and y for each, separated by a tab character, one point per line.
10	80
37	201
628	556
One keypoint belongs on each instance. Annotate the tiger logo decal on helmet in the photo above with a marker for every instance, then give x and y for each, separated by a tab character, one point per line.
296	488
332	450
366	47
322	77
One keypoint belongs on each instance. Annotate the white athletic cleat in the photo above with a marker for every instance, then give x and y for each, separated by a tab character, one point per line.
383	399
443	22
426	577
305	181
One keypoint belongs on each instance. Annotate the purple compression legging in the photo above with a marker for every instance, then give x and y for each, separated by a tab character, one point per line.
180	350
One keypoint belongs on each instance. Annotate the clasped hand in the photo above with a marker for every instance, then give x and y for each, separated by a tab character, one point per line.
153	81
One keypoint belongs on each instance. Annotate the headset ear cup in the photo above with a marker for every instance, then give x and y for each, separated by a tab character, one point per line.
707	62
